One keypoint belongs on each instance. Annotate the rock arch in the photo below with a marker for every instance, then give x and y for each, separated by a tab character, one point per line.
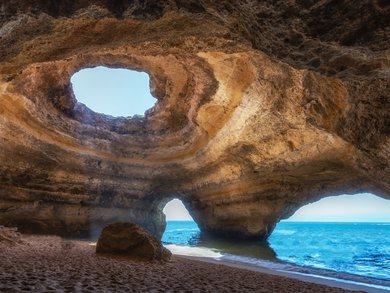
250	124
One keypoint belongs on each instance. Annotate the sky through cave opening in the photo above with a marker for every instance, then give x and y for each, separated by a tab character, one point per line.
113	91
175	210
363	207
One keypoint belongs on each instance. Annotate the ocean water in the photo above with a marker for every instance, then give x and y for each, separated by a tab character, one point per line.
361	249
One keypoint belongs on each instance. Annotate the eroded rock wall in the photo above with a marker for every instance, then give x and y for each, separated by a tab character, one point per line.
261	108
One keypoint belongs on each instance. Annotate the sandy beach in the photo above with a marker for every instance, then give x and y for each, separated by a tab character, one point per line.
52	264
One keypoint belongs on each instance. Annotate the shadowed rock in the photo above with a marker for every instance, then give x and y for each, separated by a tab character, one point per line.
130	240
9	235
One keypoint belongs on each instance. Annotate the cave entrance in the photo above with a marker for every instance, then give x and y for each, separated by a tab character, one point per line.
181	229
115	92
345	233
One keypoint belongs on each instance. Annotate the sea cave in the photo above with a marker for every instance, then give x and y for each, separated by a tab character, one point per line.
256	109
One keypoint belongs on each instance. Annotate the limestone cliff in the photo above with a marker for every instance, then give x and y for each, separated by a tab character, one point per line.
263	106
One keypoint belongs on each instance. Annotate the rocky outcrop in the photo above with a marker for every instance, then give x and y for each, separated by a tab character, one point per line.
130	240
9	235
262	107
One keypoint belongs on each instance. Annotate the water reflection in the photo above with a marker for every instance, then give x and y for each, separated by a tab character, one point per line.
253	249
185	233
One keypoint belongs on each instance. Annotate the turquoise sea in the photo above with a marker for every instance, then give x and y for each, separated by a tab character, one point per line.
346	250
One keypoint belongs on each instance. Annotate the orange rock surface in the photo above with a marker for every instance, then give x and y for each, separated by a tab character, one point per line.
261	108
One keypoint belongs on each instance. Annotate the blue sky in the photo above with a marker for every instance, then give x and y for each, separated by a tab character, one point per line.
121	92
116	92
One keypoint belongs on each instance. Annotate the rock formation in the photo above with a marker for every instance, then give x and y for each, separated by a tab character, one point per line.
263	107
9	235
130	240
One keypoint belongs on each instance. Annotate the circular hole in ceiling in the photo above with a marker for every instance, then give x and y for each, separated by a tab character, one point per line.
115	92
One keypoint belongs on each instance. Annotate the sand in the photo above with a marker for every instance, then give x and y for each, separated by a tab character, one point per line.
51	264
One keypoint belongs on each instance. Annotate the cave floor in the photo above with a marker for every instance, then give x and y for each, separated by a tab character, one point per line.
49	263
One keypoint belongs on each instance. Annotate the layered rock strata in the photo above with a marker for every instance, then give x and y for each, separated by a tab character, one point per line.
262	107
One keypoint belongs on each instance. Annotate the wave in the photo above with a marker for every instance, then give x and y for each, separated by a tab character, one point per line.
193	251
285	232
280	266
181	230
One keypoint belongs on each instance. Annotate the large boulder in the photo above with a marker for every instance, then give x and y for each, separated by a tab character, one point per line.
131	240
